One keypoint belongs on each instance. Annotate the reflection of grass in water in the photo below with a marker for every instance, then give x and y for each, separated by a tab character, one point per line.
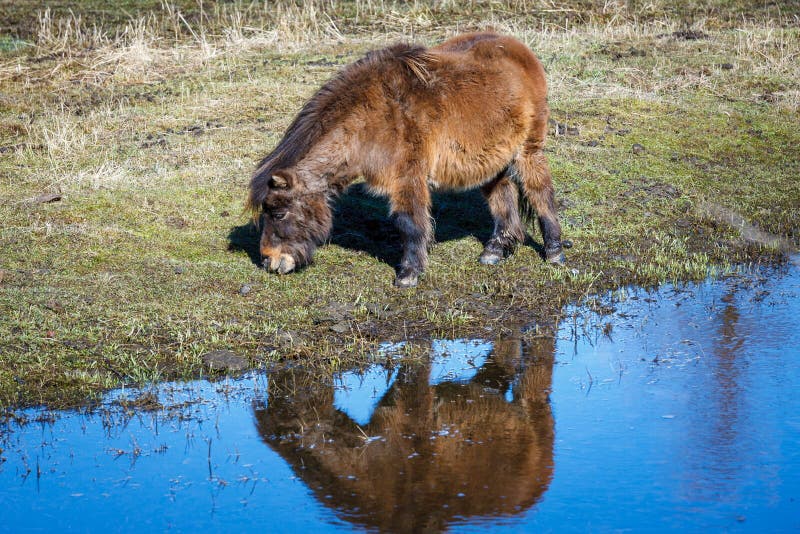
149	128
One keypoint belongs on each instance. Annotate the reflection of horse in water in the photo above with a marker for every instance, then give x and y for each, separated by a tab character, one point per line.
445	452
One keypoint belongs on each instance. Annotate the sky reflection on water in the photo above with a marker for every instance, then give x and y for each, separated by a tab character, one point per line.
677	410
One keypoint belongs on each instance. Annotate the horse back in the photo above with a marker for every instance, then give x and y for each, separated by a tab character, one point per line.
491	97
490	50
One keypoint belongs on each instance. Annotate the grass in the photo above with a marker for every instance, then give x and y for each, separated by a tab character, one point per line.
673	149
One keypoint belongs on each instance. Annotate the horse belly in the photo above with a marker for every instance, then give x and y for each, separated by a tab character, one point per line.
460	166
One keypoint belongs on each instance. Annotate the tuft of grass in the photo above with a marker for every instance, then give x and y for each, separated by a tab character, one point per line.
670	145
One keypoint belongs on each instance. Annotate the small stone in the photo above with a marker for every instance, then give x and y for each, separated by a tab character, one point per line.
637	148
335	312
47	198
726	66
224	360
341	327
331	317
178	269
245	290
289	339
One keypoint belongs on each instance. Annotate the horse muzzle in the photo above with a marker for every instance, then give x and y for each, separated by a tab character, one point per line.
276	261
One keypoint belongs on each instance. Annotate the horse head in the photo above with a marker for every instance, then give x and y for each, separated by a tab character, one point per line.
294	221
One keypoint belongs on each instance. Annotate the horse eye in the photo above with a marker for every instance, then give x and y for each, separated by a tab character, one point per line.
279	216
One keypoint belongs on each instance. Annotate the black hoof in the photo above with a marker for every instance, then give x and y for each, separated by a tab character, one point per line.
557	258
406	278
406	281
495	251
490	258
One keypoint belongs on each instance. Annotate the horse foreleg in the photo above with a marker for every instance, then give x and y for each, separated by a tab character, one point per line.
501	195
538	185
411	215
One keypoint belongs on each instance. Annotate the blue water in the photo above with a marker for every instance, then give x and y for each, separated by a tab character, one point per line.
680	409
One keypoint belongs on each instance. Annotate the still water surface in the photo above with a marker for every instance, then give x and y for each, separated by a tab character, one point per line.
680	409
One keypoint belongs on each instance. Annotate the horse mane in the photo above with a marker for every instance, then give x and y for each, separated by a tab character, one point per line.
329	105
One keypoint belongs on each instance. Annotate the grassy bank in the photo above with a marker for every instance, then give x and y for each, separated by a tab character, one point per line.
127	136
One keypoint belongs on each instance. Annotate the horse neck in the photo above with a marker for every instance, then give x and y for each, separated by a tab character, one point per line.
324	169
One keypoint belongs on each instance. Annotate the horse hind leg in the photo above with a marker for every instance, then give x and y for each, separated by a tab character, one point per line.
534	175
501	196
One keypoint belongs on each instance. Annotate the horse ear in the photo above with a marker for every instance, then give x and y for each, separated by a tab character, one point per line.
281	180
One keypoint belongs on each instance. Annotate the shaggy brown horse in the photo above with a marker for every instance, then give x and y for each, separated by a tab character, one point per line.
471	112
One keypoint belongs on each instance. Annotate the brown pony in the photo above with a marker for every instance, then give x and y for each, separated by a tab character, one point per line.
471	112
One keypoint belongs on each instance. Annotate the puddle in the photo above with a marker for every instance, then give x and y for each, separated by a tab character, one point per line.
680	408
